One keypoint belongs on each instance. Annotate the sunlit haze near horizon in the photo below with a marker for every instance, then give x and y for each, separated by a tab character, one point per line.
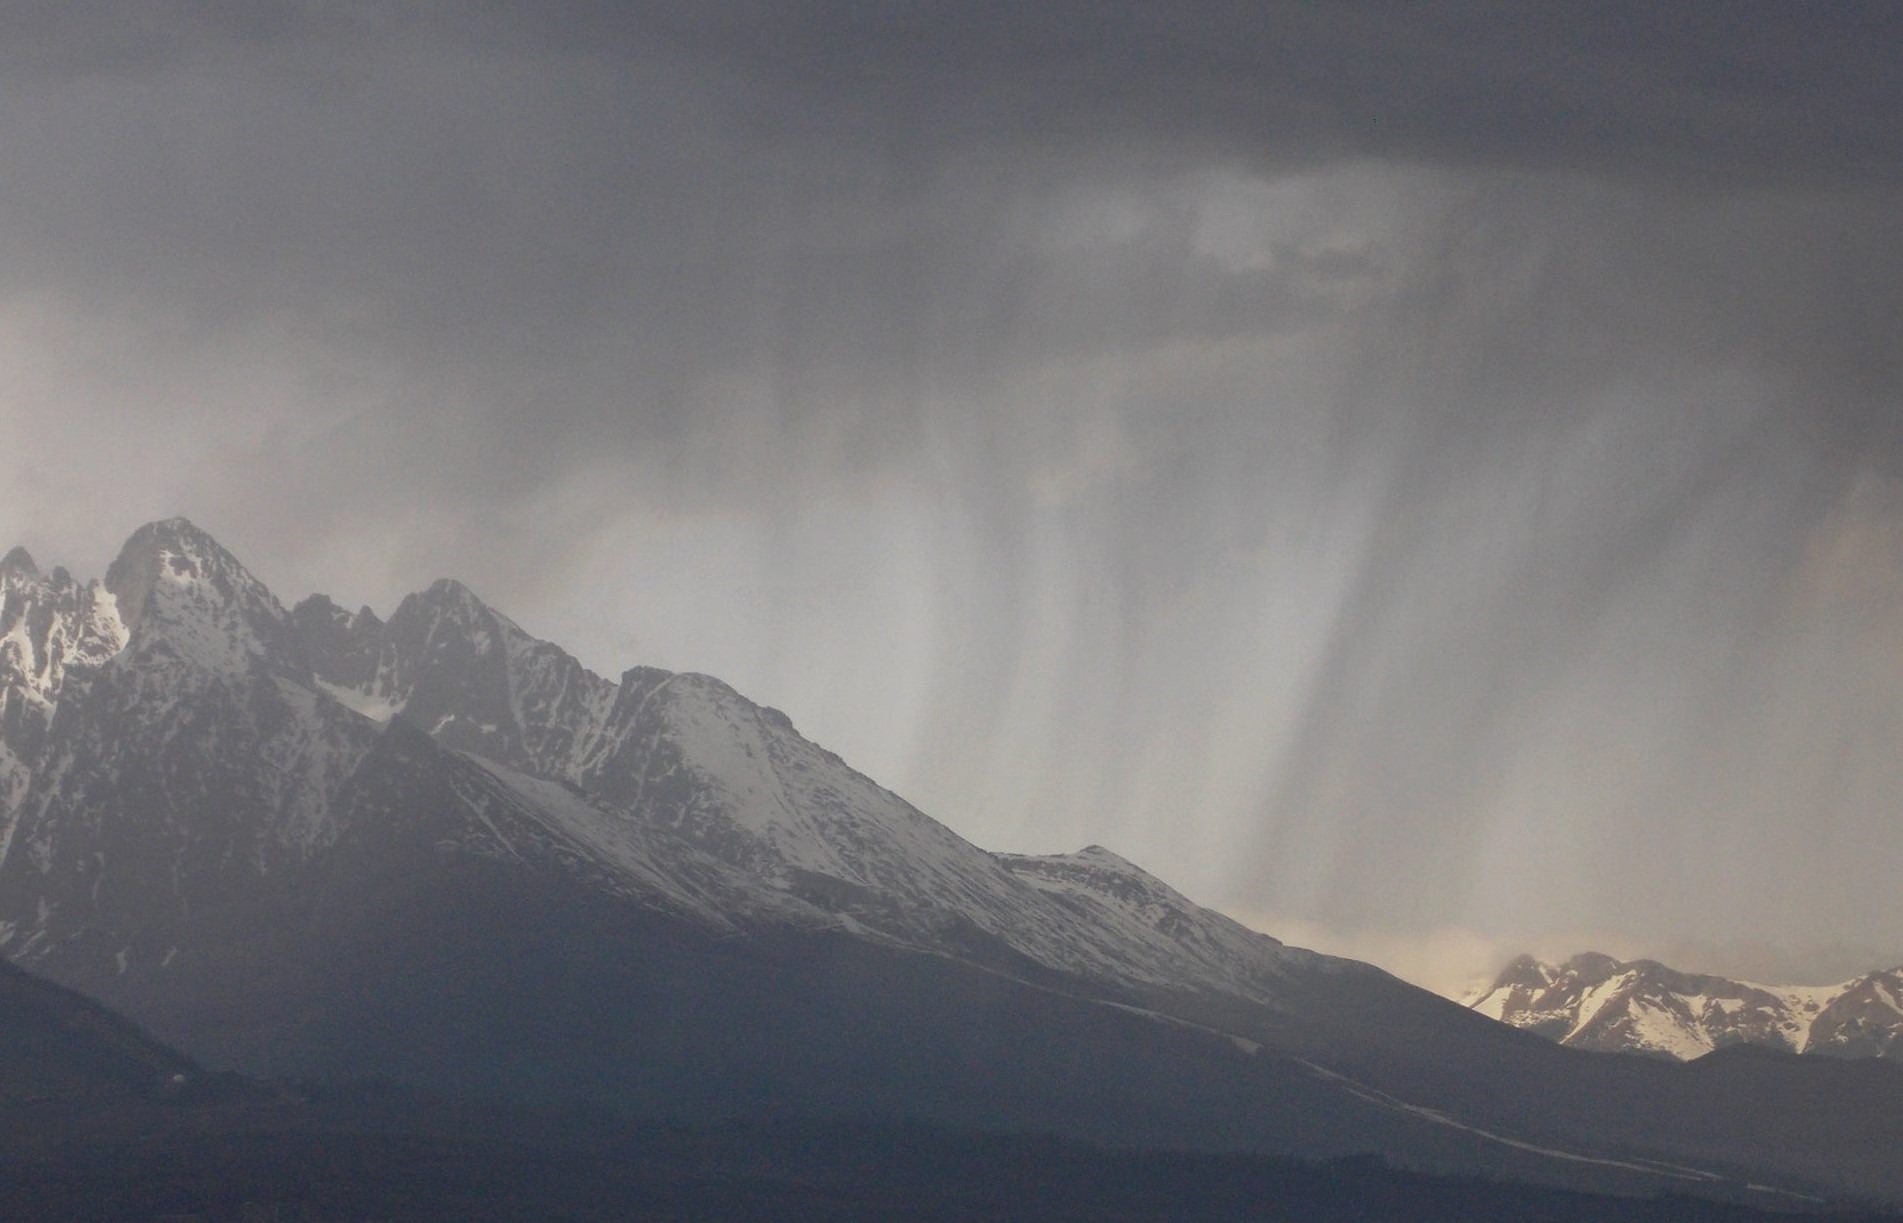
1426	480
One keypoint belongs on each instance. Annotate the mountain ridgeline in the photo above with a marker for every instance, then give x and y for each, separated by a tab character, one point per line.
1593	1001
434	849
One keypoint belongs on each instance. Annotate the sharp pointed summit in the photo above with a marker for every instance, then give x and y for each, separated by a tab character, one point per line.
19	561
181	594
452	590
172	550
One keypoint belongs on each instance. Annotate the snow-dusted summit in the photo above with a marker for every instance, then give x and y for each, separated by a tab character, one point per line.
191	609
181	751
1593	1001
54	635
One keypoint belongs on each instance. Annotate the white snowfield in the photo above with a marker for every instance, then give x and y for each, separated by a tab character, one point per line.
1595	1002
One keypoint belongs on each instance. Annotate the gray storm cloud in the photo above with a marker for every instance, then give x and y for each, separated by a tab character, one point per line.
1397	468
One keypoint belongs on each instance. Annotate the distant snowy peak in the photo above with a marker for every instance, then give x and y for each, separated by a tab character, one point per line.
18	561
476	681
461	671
49	623
54	634
1113	882
187	601
1594	1001
1155	934
342	648
1861	1018
164	749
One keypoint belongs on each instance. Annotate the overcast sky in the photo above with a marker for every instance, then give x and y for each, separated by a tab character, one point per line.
1427	478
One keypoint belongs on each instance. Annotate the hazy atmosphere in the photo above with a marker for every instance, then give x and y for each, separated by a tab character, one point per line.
1426	479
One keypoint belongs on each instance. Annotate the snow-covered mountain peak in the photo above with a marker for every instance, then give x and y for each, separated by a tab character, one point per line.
18	561
448	601
168	732
48	623
54	635
461	671
176	552
1598	966
452	591
1594	1001
183	596
1522	972
781	801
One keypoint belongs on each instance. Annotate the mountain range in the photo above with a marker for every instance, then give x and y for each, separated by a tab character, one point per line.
1593	1001
313	843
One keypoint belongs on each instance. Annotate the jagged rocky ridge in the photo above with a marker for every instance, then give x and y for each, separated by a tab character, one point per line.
317	842
1593	1001
671	788
54	634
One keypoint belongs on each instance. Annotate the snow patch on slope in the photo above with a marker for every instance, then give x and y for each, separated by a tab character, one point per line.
378	707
